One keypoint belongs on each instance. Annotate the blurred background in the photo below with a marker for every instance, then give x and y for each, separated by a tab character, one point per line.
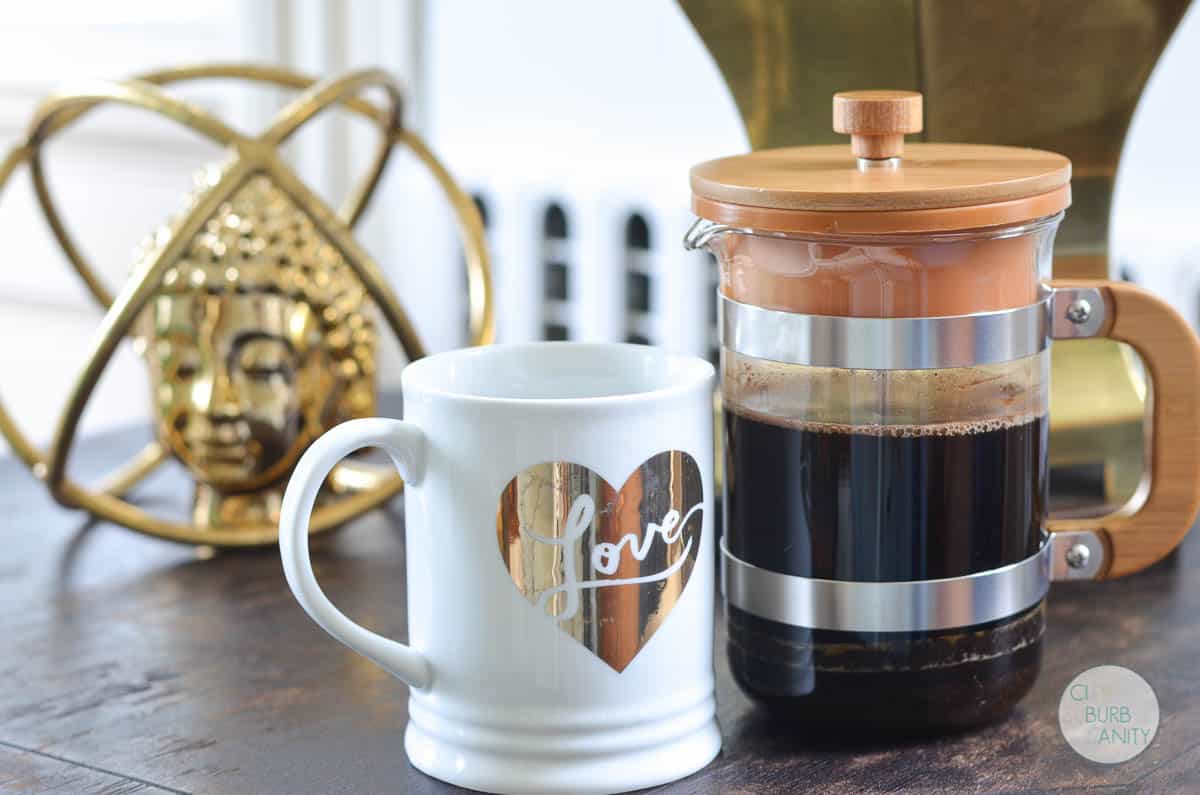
572	125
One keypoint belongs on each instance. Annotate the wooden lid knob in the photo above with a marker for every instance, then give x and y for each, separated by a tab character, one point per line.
877	121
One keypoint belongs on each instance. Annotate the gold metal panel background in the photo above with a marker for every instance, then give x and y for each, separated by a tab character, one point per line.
1059	76
783	61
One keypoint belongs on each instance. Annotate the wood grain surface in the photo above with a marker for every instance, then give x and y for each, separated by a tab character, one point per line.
826	178
133	665
882	222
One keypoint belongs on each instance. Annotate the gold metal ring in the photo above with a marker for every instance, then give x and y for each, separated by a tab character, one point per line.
248	156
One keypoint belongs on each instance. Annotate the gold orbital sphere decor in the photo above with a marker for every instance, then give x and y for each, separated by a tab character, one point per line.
253	310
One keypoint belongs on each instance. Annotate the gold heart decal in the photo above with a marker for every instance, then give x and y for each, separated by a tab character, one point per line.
607	566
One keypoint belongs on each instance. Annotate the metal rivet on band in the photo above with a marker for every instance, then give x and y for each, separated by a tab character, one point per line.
1079	311
1077	556
1075	312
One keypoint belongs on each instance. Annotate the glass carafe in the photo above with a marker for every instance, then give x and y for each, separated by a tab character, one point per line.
885	324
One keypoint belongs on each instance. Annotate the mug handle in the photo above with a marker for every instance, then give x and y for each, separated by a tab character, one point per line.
1170	351
405	443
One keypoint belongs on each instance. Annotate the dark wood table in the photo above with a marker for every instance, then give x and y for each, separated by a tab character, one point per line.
129	664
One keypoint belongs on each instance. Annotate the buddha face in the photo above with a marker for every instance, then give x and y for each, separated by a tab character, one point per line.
256	343
242	383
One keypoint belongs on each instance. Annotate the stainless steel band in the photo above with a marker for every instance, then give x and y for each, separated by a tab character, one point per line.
887	606
866	343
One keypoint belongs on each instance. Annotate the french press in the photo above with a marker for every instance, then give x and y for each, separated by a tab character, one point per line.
885	323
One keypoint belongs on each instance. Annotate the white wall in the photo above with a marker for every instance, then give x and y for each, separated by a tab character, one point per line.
1156	209
117	175
600	108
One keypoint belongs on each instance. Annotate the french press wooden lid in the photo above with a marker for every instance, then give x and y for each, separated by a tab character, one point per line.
877	184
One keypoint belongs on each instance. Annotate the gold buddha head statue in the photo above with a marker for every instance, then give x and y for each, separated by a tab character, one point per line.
257	342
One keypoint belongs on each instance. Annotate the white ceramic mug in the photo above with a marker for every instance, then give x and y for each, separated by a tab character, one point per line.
560	543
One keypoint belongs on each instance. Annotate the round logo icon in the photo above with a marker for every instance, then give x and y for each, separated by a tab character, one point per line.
1108	714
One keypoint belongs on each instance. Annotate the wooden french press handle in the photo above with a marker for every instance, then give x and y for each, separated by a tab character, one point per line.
1171	353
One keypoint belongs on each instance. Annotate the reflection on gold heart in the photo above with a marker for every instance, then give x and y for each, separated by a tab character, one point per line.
608	566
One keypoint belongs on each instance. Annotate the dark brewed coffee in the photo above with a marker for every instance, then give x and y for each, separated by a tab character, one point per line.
885	503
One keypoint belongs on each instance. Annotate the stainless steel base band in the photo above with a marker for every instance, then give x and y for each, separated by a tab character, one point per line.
867	343
887	606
